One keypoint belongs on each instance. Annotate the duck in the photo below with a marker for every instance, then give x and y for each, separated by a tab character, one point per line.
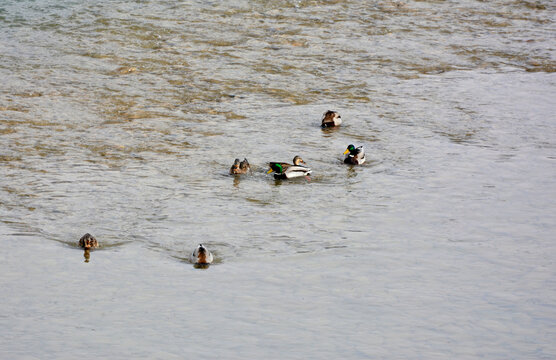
331	119
235	167
88	242
240	167
288	171
356	155
244	166
201	256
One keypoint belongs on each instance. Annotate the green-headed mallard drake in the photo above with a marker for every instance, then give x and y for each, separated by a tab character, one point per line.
88	242
288	171
331	119
356	155
240	167
201	256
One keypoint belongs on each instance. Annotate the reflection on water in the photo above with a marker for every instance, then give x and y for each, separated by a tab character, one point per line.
201	266
352	171
121	118
237	180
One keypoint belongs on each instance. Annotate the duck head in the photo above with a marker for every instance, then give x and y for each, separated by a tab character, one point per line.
275	167
350	149
298	160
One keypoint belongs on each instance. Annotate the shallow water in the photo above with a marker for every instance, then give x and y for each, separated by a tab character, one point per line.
122	119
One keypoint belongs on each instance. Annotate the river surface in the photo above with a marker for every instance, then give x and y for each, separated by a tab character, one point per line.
122	119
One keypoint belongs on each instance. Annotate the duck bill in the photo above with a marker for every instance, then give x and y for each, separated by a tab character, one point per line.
345	152
269	171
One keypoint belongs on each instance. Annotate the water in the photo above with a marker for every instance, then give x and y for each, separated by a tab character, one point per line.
122	119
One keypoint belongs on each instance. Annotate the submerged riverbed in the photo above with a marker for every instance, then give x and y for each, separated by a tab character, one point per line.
122	119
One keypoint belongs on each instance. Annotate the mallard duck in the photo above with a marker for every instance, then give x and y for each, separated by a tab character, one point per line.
288	171
356	155
88	242
235	167
240	167
201	256
244	166
331	119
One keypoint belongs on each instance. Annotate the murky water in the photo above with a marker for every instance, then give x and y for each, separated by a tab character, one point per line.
122	118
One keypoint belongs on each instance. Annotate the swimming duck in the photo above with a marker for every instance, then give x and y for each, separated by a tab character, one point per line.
356	155
240	167
88	242
244	166
201	256
331	119
235	167
288	171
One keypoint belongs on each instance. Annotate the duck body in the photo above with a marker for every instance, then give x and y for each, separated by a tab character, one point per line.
331	119
356	155
201	256
88	242
292	172
289	171
240	167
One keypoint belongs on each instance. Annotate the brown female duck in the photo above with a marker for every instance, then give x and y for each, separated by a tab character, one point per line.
88	242
240	167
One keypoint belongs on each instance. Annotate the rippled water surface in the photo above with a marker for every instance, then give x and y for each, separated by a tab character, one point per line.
122	118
